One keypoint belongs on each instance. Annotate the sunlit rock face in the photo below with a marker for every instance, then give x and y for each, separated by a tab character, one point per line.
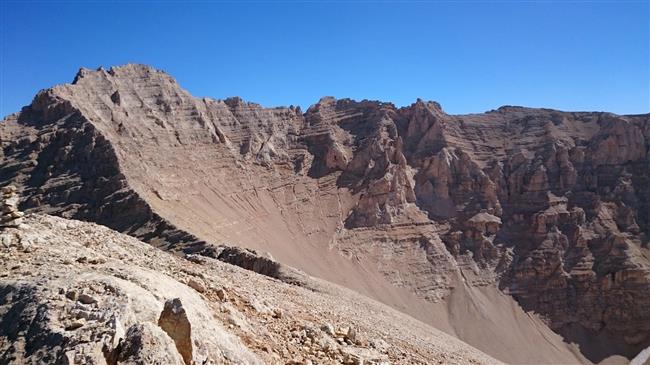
551	207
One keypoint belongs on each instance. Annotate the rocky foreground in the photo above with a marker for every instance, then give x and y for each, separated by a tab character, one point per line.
80	293
518	228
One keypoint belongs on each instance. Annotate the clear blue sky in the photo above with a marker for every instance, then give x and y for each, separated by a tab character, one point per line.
469	56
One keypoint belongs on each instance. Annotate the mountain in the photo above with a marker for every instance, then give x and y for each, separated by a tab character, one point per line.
518	228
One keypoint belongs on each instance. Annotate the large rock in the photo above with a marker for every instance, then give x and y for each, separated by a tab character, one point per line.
173	320
145	343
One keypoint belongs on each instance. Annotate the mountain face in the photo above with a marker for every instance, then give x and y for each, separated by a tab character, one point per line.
419	209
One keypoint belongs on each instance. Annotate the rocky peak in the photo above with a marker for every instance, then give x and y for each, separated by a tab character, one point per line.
549	206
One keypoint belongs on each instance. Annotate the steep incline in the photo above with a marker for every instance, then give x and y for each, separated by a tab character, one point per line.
77	293
411	206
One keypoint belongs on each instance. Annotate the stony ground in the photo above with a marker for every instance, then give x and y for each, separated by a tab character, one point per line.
74	292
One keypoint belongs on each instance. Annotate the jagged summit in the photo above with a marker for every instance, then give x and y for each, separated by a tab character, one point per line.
132	71
400	204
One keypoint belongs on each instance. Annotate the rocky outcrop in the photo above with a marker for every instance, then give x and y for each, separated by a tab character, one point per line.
477	237
551	207
145	343
254	261
93	307
79	293
173	320
11	216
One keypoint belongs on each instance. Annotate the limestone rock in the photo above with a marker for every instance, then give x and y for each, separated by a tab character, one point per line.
196	285
146	343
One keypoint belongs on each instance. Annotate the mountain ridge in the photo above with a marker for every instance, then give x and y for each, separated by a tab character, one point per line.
407	203
84	70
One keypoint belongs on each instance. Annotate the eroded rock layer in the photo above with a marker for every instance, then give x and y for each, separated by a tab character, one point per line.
552	207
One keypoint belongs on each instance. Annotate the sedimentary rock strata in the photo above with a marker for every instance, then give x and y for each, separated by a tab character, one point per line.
399	203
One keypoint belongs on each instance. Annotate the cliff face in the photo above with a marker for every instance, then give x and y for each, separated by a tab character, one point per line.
401	204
